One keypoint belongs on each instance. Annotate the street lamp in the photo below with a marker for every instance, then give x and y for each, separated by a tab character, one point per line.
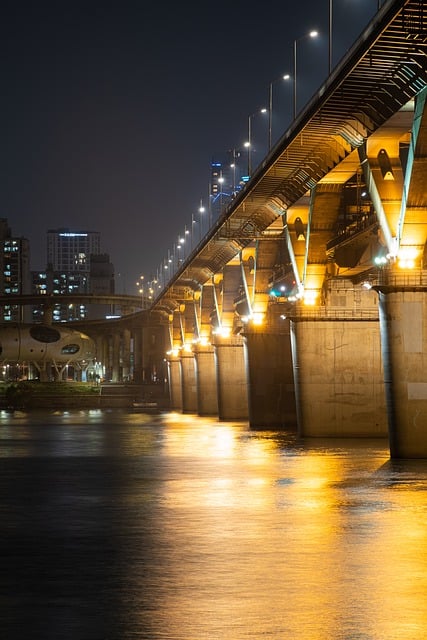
285	76
311	34
248	144
201	211
221	181
330	34
140	284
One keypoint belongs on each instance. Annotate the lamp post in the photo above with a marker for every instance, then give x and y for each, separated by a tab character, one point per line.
140	285
186	233
285	76
248	144
311	34
201	211
330	35
220	183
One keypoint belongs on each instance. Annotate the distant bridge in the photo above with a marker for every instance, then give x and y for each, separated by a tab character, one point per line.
75	298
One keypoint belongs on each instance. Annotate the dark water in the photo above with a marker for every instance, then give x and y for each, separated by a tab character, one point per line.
120	526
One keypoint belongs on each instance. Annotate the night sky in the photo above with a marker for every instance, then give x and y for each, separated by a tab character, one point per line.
112	111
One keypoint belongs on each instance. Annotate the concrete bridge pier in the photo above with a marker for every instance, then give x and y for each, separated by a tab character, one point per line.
231	378
125	354
188	381
403	321
338	378
115	377
137	355
175	382
270	378
207	390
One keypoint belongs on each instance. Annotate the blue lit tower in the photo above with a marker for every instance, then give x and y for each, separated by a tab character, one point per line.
225	181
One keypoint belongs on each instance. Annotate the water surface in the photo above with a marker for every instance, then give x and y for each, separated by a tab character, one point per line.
116	525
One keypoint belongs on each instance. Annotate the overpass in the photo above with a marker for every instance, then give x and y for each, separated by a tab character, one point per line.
305	303
50	300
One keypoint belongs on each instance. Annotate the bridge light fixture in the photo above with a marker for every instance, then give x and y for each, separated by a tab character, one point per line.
284	76
310	34
406	258
258	318
223	332
310	297
248	143
173	352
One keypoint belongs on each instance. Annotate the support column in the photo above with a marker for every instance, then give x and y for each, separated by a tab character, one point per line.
207	392
137	355
231	378
403	321
271	385
107	357
188	380
126	355
175	384
116	358
338	378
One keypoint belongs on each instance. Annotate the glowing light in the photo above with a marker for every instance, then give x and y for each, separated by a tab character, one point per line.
224	332
310	297
173	352
406	257
257	318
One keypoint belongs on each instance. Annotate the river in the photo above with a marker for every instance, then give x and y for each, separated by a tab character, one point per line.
117	526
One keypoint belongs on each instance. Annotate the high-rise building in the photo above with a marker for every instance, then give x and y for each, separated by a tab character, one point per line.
70	251
15	273
74	265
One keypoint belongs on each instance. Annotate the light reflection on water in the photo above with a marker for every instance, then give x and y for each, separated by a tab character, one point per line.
117	526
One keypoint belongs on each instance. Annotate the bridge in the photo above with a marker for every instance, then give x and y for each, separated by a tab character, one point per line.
305	303
304	306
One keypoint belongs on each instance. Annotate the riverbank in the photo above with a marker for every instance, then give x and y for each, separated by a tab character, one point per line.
69	395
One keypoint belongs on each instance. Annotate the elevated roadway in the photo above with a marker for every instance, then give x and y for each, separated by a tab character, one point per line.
305	303
371	91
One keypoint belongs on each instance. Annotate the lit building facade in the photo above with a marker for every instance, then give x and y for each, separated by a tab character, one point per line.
75	265
15	273
70	251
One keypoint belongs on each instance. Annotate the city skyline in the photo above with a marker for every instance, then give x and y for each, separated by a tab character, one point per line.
110	121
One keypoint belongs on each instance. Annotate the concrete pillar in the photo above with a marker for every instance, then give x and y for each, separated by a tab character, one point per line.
270	375
338	376
403	321
137	355
207	391
175	384
188	380
106	358
125	354
116	358
231	378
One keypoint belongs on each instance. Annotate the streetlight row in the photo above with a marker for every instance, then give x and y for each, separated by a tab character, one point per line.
175	257
171	264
